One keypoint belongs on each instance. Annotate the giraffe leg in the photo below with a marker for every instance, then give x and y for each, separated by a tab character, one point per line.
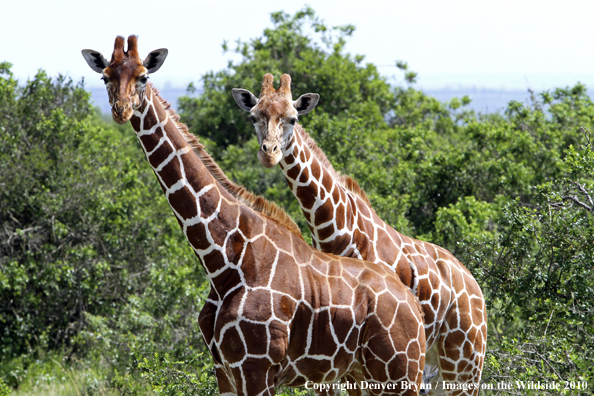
255	377
393	364
462	346
431	372
226	384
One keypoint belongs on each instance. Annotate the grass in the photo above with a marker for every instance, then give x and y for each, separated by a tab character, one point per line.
53	375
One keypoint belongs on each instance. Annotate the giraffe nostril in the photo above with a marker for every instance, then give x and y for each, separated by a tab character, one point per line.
274	149
264	147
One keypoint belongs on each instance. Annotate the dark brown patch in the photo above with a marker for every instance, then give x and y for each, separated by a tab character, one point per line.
307	195
150	119
299	330
235	243
289	159
197	236
340	216
387	307
250	225
343	359
326	246
160	155
170	173
183	202
302	157
453	341
232	346
429	315
257	262
322	341
228	279
387	250
283	306
336	193
293	173
342	321
324	213
257	306
285	276
218	232
314	369
256	337
315	170
327	181
209	201
150	141
304	176
326	232
214	260
135	121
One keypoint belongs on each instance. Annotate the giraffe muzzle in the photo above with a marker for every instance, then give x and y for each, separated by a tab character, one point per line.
121	112
269	154
270	149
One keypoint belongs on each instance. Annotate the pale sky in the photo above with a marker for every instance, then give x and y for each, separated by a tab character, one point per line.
510	44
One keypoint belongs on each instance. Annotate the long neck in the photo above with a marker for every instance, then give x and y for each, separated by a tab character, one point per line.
337	216
206	212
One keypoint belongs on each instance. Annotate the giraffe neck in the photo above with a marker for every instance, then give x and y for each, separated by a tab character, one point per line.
331	203
207	213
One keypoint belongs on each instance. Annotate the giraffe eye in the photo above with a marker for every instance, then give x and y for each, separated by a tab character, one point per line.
105	79
143	79
293	120
252	119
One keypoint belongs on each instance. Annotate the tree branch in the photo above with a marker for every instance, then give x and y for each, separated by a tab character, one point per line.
575	200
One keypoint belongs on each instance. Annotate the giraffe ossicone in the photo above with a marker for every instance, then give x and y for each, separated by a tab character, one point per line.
342	222
279	312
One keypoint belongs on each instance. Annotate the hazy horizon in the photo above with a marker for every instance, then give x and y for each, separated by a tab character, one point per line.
506	45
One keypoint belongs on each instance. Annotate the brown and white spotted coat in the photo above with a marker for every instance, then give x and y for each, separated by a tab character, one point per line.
279	311
343	222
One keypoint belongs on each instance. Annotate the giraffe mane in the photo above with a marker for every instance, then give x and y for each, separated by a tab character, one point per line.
248	198
344	180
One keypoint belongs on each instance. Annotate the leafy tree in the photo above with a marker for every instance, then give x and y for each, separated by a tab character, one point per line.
91	261
316	64
538	278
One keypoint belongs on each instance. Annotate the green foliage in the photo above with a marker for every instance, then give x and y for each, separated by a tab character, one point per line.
4	389
168	377
316	64
92	262
538	277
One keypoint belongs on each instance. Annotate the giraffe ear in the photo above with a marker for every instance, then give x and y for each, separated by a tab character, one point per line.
95	59
154	60
306	103
244	98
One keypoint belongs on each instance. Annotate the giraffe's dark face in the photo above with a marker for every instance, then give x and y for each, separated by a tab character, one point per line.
274	115
125	77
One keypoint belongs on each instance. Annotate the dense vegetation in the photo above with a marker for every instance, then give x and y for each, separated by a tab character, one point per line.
100	293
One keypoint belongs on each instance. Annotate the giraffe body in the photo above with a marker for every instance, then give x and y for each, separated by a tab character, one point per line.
342	222
279	312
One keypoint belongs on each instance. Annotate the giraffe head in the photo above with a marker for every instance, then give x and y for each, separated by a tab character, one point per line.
274	115
125	76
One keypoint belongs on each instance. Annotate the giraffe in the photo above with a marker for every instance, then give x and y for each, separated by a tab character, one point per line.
279	311
342	222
